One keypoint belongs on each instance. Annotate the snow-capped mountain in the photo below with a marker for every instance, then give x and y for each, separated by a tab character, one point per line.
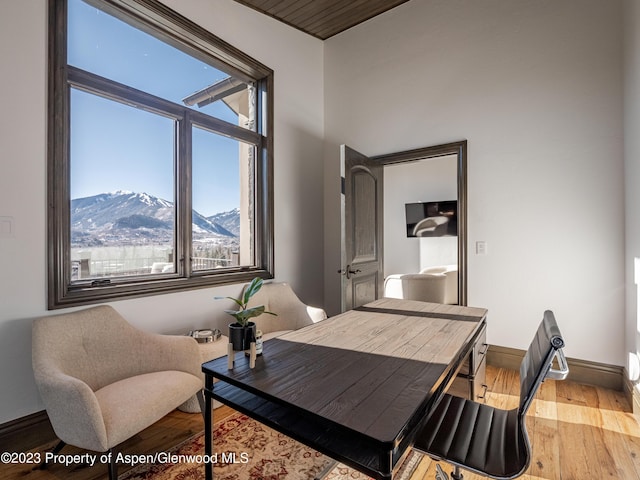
128	217
229	220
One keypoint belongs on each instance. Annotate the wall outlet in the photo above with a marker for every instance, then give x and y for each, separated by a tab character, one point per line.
481	247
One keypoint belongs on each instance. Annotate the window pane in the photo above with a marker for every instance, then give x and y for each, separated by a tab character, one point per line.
222	172
140	119
122	189
102	44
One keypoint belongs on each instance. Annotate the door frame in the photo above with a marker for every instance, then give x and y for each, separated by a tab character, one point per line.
459	149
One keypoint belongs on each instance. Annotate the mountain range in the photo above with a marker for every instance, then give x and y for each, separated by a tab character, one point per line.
137	218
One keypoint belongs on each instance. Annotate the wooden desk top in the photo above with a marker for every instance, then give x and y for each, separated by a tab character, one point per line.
371	370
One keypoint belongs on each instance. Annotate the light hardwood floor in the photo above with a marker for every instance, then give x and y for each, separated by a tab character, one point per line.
577	432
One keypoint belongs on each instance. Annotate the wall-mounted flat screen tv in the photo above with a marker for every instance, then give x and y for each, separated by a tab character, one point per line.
432	219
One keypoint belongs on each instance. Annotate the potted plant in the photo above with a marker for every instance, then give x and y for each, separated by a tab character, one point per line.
242	332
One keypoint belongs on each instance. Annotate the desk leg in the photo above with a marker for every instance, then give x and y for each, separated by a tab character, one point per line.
208	428
386	464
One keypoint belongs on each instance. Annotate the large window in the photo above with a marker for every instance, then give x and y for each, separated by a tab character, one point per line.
160	159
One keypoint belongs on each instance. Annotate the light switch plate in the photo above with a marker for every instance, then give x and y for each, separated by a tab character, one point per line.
481	247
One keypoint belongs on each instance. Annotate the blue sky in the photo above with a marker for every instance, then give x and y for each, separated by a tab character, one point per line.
118	147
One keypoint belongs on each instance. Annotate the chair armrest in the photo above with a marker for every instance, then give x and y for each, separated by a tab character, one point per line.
563	367
73	410
316	314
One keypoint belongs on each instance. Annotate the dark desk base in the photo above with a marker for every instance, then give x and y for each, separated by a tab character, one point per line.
339	443
373	448
378	460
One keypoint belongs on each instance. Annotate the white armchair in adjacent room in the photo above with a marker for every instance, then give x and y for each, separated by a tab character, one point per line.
416	286
451	288
437	284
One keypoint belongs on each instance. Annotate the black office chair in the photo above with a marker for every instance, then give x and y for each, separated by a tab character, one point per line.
491	441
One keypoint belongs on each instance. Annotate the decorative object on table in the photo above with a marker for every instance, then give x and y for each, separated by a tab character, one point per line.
258	342
242	333
206	335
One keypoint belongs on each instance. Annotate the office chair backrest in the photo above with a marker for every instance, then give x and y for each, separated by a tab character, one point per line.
536	364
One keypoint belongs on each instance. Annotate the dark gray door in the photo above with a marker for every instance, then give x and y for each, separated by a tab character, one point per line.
362	229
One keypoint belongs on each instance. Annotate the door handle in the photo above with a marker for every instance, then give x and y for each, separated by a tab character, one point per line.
348	272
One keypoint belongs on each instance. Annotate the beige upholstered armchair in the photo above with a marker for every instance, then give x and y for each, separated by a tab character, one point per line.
291	312
103	381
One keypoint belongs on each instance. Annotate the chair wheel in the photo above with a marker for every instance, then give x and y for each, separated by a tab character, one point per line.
440	475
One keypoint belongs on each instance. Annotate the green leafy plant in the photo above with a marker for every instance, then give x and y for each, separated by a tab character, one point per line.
243	314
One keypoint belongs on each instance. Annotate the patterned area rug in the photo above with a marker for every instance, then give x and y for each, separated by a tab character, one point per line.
249	450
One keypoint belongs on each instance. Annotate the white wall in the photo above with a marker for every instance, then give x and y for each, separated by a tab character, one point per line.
428	180
297	60
536	89
632	179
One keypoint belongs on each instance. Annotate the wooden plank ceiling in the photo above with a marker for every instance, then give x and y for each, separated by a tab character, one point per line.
322	18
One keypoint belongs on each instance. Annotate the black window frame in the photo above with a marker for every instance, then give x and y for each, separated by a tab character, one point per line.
153	17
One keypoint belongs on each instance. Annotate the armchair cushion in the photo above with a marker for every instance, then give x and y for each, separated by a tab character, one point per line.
159	392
